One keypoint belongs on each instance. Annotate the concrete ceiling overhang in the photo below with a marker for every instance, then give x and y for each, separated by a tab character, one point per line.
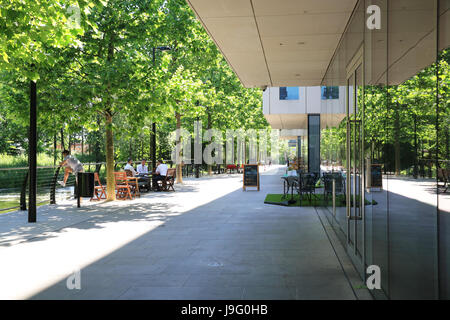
276	43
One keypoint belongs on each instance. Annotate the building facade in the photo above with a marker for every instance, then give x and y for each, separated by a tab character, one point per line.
298	112
390	60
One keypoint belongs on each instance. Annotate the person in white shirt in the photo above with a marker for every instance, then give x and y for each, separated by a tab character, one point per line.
142	168
129	166
159	174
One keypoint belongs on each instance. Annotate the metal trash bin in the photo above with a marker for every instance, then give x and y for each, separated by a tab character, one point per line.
85	184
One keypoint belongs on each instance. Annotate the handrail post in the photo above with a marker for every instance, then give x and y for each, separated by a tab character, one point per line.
53	187
23	194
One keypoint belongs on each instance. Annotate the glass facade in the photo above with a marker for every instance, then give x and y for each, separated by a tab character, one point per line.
289	93
389	156
329	92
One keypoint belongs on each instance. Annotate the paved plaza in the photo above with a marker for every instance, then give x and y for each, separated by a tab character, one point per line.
207	240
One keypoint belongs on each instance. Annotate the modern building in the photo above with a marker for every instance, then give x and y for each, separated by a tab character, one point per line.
366	48
296	112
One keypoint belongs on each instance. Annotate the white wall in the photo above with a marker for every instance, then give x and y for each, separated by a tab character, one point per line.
309	102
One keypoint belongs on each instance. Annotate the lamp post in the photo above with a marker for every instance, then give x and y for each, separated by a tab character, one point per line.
153	136
32	156
197	166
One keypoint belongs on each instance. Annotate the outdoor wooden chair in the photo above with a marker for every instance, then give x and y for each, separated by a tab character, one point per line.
134	183
232	168
167	183
123	188
99	189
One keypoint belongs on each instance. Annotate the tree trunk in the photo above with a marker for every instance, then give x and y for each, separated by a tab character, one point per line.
97	146
397	140
130	149
110	179
62	141
150	162
429	161
54	150
422	161
447	145
179	166
82	142
209	127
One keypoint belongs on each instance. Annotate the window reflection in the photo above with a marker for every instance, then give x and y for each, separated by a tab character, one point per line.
289	93
330	92
406	134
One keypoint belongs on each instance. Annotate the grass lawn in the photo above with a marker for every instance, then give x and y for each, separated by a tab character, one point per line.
8	204
15	203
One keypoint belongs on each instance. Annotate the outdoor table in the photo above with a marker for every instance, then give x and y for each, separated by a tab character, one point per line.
145	177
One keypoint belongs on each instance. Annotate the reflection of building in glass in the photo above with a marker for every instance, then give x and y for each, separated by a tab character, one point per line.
283	93
330	92
301	120
289	93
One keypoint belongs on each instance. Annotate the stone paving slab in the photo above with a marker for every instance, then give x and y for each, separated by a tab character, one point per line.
208	240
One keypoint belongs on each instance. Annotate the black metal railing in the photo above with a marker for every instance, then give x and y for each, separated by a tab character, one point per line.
14	182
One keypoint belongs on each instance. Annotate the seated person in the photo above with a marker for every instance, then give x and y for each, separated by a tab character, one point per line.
142	168
72	164
159	174
129	166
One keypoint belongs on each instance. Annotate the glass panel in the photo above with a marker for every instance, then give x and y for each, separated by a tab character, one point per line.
289	93
411	140
444	150
333	146
350	155
402	147
359	168
375	104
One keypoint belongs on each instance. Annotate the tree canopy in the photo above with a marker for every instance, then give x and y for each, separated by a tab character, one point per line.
106	70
